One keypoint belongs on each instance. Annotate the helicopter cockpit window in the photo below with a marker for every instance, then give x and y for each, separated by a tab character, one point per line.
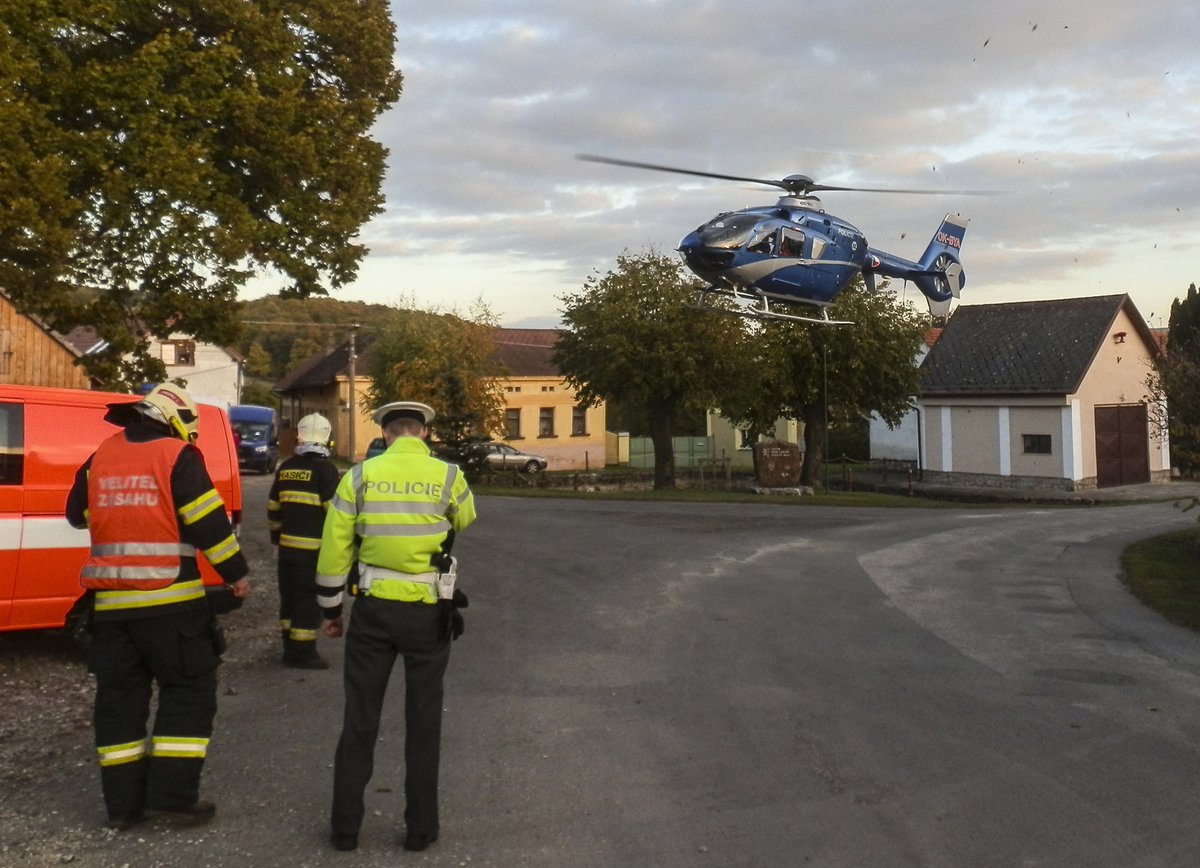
791	242
762	241
818	247
728	231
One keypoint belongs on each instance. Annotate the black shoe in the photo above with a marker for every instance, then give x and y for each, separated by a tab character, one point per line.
343	842
189	815
416	843
125	821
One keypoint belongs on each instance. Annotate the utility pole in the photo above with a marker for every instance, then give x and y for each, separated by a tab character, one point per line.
352	407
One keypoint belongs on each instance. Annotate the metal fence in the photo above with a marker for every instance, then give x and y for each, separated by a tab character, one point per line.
689	451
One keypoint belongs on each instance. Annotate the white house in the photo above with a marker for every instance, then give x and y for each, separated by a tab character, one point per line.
1043	393
212	374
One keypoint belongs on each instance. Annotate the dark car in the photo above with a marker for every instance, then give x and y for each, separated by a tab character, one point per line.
257	437
378	446
501	456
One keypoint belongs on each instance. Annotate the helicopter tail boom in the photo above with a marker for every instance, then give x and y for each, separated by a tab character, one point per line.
939	273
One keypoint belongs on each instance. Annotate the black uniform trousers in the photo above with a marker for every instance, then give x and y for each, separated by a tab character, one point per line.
379	631
127	656
298	606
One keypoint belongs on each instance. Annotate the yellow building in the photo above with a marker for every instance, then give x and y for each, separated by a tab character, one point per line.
542	415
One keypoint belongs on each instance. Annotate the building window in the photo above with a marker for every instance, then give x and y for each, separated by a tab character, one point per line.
1036	444
546	422
578	421
512	389
547	388
179	353
745	441
512	424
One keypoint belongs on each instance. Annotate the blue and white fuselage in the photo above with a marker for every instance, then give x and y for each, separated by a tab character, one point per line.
795	252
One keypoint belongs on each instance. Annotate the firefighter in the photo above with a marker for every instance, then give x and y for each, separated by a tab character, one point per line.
400	507
150	507
296	505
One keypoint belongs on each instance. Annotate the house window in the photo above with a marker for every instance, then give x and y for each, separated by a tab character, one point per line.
745	441
1036	444
546	422
578	421
179	353
512	424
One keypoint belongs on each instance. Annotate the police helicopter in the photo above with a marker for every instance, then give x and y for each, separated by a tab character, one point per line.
794	253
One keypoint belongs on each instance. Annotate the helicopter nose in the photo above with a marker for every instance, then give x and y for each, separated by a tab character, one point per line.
701	258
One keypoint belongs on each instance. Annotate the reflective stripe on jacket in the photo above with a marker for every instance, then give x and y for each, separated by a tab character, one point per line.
400	506
131	516
298	499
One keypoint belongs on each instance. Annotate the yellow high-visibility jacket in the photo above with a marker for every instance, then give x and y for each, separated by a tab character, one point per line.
399	505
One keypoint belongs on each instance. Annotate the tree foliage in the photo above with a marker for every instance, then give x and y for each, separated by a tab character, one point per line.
156	155
1177	378
291	330
447	362
800	370
631	337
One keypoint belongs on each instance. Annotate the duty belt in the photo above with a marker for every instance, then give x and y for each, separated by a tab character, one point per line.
384	584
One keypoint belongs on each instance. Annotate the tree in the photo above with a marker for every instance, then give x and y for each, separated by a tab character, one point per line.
801	370
446	361
156	155
258	363
631	337
1176	377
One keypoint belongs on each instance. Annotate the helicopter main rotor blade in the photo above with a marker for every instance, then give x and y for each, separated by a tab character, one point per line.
817	188
591	158
797	185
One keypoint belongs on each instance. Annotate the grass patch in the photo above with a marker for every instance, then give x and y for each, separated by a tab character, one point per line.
1164	573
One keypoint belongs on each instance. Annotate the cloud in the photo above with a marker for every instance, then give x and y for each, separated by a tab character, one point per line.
1088	123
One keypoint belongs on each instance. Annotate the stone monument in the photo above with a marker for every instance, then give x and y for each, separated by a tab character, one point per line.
778	464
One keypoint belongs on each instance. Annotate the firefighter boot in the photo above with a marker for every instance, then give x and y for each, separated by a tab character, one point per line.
302	654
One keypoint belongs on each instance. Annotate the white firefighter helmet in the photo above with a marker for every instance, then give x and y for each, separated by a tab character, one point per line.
174	407
315	429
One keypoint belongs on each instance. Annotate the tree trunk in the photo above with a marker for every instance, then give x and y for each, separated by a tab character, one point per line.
815	424
664	448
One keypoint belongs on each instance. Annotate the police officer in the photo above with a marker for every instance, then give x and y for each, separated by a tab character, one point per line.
150	506
304	484
401	506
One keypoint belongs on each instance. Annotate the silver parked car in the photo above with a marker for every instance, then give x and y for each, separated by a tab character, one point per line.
501	456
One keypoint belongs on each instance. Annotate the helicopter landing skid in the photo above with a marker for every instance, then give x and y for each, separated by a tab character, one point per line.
756	307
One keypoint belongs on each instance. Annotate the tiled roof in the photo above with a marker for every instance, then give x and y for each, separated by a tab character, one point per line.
1037	347
326	366
526	352
83	339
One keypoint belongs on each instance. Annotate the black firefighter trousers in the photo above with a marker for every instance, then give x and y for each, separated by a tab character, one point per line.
127	656
379	631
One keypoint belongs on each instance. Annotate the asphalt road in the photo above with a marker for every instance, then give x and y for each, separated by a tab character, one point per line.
707	685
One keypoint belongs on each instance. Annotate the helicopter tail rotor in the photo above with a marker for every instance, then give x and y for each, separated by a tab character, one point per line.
941	277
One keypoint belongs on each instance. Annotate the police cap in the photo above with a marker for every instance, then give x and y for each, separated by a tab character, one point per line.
422	413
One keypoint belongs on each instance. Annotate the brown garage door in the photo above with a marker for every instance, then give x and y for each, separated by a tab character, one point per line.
1122	446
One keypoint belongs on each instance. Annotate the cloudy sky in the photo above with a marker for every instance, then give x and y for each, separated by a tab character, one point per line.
1086	113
